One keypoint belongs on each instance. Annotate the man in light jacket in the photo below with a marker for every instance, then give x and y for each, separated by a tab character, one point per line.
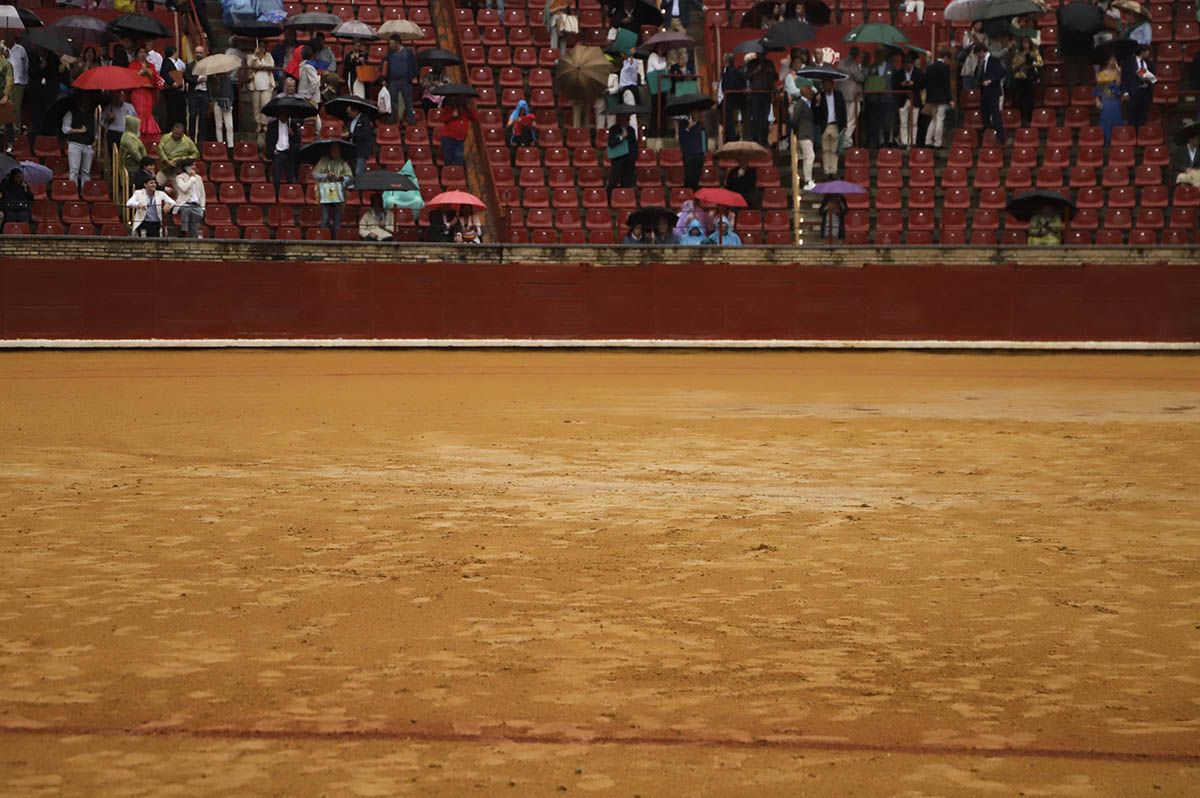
150	207
851	90
190	200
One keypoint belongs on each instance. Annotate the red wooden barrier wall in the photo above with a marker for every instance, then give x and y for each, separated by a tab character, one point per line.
132	299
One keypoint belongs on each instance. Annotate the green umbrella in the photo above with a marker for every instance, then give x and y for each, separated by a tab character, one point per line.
876	33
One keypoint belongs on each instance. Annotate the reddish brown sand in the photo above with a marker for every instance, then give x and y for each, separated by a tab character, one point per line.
655	574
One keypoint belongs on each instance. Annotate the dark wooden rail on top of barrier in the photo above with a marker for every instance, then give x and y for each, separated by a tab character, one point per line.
169	289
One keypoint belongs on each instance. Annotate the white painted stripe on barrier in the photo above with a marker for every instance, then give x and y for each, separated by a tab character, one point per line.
582	343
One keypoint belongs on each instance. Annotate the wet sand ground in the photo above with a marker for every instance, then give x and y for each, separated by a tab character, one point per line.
390	573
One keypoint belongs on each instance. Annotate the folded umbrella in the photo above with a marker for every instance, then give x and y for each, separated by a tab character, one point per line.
355	31
218	64
312	21
340	107
289	108
405	29
455	199
973	10
582	73
1025	206
110	78
81	29
788	34
744	151
648	217
436	56
686	103
837	187
49	39
320	148
383	181
721	197
454	90
822	73
10	19
138	26
876	33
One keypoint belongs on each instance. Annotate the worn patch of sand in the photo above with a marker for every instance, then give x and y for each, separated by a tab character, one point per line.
937	554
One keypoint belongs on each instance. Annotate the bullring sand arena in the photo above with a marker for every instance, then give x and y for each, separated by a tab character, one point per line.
375	573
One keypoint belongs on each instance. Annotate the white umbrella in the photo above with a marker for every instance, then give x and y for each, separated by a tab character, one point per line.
354	29
10	19
405	29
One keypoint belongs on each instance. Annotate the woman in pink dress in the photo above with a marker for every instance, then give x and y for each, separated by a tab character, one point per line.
143	99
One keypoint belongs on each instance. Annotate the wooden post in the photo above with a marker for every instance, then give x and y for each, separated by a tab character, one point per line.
797	234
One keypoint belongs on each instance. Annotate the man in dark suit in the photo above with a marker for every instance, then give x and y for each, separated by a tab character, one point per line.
806	132
622	154
1137	86
939	95
283	149
361	134
989	76
692	147
910	80
829	114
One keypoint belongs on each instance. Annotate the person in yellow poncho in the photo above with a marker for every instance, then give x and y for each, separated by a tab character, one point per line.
1045	228
332	173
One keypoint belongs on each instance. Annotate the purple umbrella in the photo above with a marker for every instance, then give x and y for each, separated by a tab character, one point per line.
838	187
35	173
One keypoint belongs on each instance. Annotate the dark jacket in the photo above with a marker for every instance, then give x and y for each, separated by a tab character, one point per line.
938	88
821	110
691	139
363	136
900	80
802	120
996	73
614	138
272	136
401	65
1130	82
1181	161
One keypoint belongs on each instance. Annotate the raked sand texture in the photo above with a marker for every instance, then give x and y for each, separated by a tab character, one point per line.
654	574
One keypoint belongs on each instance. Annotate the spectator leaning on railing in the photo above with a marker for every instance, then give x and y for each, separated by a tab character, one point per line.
150	207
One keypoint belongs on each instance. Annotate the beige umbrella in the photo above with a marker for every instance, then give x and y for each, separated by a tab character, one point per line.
582	73
1131	6
406	30
743	151
10	19
217	64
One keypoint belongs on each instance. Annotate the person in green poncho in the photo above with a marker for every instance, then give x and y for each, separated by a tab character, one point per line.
132	148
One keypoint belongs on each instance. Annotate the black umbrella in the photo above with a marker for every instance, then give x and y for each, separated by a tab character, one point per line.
822	73
1024	206
138	26
648	217
312	20
1080	18
1121	48
1186	132
340	107
7	164
289	107
49	39
436	56
454	90
817	12
788	34
686	103
643	13
29	19
254	29
384	181
620	109
750	46
81	29
320	148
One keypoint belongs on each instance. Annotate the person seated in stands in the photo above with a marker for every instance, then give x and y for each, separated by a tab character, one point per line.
361	133
635	235
190	200
743	179
150	208
436	77
144	170
472	226
694	234
663	234
724	236
690	212
522	126
16	200
444	226
174	149
1045	228
833	215
376	224
1186	159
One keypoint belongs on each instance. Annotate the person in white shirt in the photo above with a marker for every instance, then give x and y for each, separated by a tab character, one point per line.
150	207
20	67
155	57
376	224
261	81
190	200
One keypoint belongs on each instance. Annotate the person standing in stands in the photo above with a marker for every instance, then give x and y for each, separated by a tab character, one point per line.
332	173
20	69
150	207
361	133
308	85
830	115
692	145
79	128
6	92
260	82
880	104
190	200
281	54
851	90
803	123
197	98
733	101
1137	85
224	96
1108	99
760	80
399	69
143	99
1026	72
939	95
454	133
174	87
282	144
622	154
910	80
132	150
989	75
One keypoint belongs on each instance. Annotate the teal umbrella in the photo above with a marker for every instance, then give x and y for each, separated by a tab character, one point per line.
876	33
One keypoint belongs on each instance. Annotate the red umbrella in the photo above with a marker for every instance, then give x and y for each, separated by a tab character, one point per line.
722	197
110	78
455	198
